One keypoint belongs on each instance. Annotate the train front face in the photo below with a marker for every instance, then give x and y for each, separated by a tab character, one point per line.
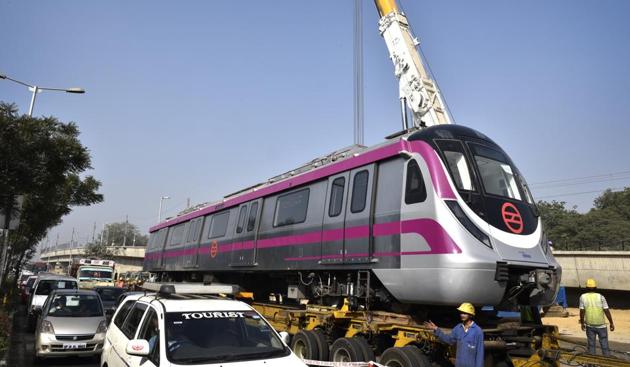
501	253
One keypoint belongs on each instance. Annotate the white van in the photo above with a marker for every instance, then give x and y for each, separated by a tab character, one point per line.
171	329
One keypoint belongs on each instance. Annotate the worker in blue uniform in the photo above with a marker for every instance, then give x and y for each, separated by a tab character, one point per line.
468	336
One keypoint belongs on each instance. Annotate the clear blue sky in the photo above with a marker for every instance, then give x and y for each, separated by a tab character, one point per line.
197	99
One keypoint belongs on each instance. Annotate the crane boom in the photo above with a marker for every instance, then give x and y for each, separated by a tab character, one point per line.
417	90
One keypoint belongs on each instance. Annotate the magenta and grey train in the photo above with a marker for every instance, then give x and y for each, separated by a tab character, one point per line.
436	217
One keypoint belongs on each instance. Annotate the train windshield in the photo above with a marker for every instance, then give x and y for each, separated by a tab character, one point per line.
497	176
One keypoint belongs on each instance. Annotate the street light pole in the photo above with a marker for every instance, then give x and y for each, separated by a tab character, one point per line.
36	89
160	211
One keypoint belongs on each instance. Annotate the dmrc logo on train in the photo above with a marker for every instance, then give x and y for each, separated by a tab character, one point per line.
512	218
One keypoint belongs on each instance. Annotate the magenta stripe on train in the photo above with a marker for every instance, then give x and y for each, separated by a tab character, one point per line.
436	237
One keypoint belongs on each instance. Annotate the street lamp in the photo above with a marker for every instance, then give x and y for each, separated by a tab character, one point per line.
160	212
36	89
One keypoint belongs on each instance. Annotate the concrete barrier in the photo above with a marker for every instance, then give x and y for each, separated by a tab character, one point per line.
611	269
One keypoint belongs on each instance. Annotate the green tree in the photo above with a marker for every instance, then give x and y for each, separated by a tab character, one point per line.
606	226
122	233
97	250
43	160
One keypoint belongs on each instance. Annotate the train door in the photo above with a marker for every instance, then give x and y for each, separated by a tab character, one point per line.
357	232
334	218
160	244
244	245
192	242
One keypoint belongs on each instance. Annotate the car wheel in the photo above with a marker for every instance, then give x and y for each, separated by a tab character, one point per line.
304	345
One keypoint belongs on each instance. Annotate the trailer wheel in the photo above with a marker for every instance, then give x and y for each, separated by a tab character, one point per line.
421	360
346	350
304	345
398	357
322	345
366	348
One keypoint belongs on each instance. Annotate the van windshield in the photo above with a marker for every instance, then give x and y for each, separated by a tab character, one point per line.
44	287
96	274
217	337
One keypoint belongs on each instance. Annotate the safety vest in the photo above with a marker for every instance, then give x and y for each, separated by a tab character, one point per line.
593	309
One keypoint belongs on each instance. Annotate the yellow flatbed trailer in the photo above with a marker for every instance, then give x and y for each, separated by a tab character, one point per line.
343	335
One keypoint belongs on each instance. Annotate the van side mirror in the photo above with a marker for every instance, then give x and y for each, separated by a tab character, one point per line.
286	337
137	347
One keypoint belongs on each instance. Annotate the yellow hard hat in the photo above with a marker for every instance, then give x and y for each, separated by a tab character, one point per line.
591	283
467	308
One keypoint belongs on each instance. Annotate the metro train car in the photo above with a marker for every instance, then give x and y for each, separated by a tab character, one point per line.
434	216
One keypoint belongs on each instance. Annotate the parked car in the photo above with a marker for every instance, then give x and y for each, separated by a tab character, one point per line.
43	286
72	322
172	329
109	297
26	287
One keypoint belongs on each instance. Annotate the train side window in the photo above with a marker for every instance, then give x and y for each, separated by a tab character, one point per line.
457	164
415	191
336	197
241	219
359	191
219	225
178	233
253	212
291	208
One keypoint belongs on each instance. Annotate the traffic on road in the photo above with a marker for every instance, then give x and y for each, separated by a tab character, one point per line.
164	325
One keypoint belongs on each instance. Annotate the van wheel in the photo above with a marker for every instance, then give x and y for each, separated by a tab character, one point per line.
421	360
322	345
398	357
304	345
366	348
346	350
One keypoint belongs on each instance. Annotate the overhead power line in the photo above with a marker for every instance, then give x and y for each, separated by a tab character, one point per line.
600	176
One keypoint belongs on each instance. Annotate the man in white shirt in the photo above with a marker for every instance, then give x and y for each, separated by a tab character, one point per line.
593	308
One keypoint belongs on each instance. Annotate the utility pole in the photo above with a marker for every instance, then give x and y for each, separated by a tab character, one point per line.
125	235
358	72
93	232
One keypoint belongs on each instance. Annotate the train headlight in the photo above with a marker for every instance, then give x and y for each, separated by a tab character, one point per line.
467	223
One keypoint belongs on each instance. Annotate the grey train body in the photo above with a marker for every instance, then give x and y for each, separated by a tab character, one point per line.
421	216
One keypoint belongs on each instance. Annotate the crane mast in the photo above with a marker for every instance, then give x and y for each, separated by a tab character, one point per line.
418	91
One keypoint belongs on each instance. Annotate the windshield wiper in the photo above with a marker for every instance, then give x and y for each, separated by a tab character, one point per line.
221	358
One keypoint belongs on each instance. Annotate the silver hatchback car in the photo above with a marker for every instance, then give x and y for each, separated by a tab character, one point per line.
71	323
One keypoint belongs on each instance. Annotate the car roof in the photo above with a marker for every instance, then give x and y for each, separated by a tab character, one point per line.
56	277
75	291
197	304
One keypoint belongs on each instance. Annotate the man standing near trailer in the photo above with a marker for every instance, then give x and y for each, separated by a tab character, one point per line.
593	308
468	336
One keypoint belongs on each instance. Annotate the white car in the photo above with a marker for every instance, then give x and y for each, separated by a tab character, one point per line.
174	329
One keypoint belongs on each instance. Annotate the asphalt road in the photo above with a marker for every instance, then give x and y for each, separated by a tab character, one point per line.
22	347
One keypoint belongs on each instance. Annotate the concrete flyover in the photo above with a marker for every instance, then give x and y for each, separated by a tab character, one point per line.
611	269
126	258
